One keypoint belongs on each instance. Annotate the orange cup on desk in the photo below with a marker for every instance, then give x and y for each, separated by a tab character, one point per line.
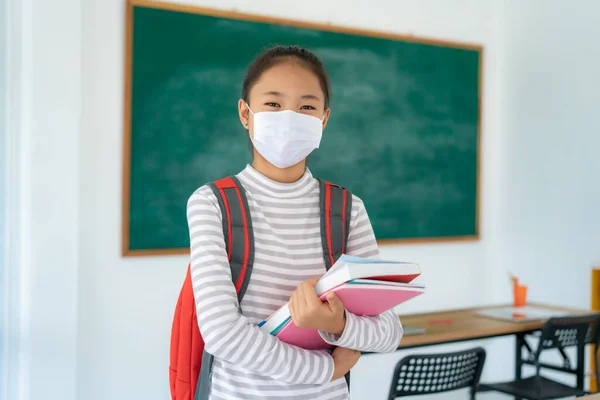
519	295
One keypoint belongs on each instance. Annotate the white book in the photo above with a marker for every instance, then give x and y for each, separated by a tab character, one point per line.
348	268
277	320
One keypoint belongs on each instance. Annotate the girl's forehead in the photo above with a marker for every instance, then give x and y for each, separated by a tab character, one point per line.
288	76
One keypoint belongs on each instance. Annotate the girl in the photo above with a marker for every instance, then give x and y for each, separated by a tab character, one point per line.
284	107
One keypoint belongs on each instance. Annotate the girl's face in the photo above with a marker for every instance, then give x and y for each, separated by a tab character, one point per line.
285	86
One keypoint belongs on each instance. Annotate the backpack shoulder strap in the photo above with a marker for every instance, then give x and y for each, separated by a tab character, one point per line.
237	230
239	242
336	209
335	203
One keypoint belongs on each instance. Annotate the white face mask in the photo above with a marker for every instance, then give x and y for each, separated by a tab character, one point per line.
284	138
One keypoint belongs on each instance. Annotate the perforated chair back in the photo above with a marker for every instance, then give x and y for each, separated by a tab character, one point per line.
563	332
435	373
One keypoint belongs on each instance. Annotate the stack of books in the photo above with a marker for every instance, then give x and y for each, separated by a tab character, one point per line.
367	287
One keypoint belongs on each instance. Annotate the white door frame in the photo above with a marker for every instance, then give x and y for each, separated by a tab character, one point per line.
3	195
16	49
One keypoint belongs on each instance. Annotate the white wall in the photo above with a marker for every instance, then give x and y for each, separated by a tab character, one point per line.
97	325
551	199
3	197
45	81
9	308
55	132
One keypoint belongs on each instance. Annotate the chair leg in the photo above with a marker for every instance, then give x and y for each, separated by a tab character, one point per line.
520	342
473	391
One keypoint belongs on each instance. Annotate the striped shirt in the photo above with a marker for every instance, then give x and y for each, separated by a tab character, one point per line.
249	363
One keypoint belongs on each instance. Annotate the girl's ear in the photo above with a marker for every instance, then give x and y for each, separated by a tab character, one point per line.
326	117
244	113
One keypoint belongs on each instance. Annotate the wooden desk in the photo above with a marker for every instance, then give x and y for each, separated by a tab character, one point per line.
591	397
461	325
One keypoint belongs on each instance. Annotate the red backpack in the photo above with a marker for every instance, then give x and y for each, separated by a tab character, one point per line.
190	365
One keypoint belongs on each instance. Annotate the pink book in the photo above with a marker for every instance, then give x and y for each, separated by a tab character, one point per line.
360	297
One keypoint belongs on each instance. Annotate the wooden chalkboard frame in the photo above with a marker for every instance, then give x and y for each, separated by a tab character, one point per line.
126	251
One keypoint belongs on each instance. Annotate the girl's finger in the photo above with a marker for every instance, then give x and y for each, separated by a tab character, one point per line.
301	295
292	305
310	297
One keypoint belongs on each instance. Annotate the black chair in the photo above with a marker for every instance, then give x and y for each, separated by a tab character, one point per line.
435	373
557	333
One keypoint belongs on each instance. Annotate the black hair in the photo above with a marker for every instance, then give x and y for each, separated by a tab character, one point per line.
280	54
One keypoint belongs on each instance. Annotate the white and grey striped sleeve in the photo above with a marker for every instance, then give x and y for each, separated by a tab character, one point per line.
227	334
373	334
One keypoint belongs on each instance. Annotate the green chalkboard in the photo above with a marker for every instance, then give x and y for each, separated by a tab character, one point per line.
403	133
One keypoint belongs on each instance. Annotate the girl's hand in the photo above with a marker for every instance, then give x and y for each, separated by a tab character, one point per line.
343	361
309	312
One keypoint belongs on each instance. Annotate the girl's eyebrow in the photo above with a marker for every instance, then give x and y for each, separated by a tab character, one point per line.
273	93
280	94
310	97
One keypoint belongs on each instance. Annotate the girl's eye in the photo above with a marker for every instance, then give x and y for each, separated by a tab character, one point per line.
272	104
307	108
